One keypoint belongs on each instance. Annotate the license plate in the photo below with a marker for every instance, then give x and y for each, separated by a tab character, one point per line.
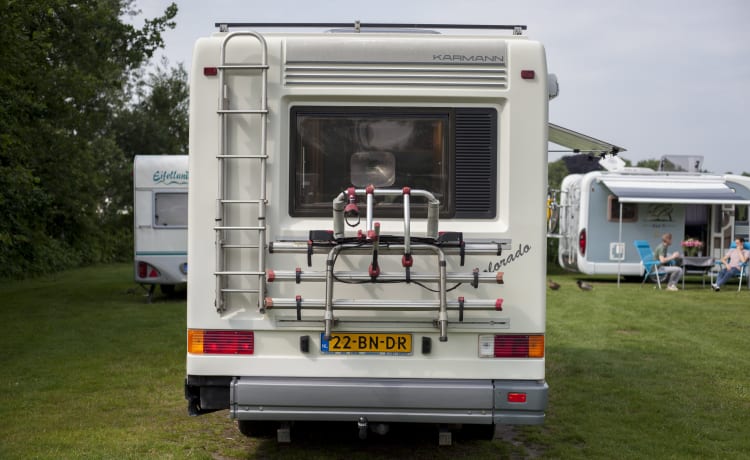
366	343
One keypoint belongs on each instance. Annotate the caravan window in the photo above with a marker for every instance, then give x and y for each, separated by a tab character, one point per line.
170	210
440	150
629	210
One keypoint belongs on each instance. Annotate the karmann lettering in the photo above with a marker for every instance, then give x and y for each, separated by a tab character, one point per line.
465	58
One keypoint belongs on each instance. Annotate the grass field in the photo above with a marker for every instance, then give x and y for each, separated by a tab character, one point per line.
89	370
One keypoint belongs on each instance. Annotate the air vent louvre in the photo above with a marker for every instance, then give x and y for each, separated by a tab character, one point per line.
460	76
476	163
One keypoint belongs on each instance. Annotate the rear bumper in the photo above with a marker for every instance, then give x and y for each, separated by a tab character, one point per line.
387	400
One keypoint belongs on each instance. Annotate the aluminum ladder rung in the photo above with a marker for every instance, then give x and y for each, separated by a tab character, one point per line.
240	201
243	157
243	111
240	228
239	273
240	291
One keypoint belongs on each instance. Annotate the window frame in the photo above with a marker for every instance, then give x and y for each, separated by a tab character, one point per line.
418	207
629	210
154	218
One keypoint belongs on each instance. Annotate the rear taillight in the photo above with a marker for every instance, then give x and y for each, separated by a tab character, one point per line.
147	271
582	242
221	342
511	346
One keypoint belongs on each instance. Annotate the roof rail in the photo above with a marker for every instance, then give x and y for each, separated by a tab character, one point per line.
224	26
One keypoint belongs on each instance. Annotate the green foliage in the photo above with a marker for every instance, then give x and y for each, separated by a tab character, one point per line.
652	164
65	67
556	172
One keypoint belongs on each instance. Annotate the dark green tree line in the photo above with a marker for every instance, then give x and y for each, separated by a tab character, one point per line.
63	85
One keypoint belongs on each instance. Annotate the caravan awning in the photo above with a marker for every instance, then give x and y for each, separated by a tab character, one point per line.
578	142
670	189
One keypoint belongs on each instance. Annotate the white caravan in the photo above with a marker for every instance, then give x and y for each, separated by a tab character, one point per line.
367	226
160	187
603	212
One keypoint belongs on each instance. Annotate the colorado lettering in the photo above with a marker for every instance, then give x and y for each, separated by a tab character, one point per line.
509	259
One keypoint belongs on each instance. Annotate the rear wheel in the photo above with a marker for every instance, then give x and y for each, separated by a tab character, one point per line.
478	432
257	429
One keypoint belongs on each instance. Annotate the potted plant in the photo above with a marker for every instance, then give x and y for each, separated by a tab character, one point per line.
691	247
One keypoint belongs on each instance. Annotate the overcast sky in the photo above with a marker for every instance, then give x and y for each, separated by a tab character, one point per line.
658	77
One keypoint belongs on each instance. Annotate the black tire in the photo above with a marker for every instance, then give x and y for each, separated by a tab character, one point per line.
167	289
478	432
257	429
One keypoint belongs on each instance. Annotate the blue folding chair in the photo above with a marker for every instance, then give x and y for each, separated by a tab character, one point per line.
743	267
650	264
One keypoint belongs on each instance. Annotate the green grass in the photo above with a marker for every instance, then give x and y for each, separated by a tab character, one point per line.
89	370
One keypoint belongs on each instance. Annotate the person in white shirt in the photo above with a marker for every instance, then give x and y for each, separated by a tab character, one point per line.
731	263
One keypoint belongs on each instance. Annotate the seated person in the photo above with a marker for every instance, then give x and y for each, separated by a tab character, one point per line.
731	262
661	253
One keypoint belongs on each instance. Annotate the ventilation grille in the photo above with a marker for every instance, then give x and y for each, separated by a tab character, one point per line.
476	163
399	75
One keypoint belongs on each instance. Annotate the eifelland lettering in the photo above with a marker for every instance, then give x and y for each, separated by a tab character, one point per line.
170	177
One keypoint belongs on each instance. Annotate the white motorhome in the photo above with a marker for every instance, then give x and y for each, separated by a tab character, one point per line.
160	187
367	226
603	212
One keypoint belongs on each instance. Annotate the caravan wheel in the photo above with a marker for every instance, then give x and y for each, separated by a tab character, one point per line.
167	289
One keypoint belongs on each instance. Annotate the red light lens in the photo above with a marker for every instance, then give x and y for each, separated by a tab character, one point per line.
511	346
582	242
516	397
527	74
210	71
229	342
142	269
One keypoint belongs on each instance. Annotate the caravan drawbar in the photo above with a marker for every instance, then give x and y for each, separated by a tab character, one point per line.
366	234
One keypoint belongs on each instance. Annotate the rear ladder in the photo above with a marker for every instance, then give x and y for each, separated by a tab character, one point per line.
241	238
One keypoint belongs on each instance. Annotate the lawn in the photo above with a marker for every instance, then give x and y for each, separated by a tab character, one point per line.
90	370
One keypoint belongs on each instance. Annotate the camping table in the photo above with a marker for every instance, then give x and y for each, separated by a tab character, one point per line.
696	265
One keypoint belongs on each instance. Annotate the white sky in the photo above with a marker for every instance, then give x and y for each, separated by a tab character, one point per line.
658	77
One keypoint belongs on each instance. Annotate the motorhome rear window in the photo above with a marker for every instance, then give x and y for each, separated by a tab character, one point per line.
170	210
447	151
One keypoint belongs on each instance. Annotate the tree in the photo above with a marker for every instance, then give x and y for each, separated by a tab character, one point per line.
652	164
65	65
556	172
153	121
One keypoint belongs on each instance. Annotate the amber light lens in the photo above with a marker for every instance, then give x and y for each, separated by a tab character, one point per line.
519	346
221	342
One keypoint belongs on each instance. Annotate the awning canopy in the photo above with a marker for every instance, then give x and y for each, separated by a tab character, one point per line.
580	142
670	189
